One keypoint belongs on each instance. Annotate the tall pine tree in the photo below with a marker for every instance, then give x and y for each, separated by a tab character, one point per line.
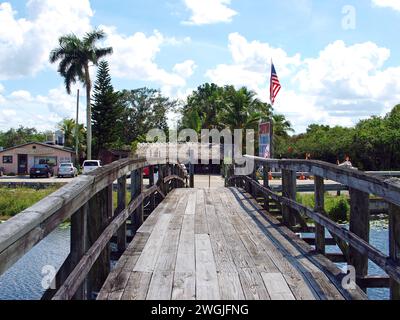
107	111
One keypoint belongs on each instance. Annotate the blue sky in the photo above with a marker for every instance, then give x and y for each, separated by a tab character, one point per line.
338	61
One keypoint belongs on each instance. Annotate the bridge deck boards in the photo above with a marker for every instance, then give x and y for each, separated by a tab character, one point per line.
219	244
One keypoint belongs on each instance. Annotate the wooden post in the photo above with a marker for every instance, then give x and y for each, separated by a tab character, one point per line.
79	244
266	184
151	183
359	225
191	172
254	190
121	198
101	211
319	192
161	178
394	246
136	189
289	191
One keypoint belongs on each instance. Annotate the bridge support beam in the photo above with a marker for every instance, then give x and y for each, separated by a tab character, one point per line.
101	213
137	218
121	199
319	207
289	180
394	246
359	225
151	183
266	184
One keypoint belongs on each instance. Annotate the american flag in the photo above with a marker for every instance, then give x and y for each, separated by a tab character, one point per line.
275	85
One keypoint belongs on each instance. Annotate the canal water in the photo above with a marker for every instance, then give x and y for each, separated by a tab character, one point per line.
24	280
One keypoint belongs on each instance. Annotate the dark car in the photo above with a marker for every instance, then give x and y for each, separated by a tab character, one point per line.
41	170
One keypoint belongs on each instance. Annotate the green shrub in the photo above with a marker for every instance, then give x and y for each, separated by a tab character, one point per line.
338	209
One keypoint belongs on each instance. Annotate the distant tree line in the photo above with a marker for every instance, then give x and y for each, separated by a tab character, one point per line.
373	144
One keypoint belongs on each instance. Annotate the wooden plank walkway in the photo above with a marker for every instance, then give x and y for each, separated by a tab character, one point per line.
219	244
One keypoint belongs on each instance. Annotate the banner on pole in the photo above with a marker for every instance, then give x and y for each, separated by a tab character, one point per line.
265	140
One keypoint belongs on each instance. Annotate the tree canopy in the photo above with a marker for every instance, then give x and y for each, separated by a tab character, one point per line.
107	111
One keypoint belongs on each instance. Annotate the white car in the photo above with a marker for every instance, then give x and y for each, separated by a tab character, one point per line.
91	165
67	170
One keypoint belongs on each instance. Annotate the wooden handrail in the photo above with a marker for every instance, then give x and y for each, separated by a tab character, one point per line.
77	276
359	244
22	232
388	189
354	243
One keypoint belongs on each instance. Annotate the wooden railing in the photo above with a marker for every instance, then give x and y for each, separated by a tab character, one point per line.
353	241
88	203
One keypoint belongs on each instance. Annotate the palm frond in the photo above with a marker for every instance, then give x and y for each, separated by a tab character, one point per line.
91	37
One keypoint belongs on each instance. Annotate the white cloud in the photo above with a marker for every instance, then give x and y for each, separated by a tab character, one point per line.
185	69
338	87
29	40
134	58
393	4
21	95
43	112
251	63
209	11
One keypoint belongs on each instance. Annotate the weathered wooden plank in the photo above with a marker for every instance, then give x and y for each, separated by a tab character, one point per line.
200	225
206	273
253	285
185	261
191	205
184	287
151	251
137	286
161	286
230	287
169	249
222	253
277	286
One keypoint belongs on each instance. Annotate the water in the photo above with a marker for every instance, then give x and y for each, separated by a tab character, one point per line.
23	280
379	238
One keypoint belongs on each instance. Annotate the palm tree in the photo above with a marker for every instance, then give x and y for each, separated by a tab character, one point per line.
241	109
75	55
282	127
68	127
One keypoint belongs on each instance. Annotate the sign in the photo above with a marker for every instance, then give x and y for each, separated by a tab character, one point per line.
265	140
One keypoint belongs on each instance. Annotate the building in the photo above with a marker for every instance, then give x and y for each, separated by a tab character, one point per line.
20	159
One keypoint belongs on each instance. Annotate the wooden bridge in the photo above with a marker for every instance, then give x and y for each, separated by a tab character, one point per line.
179	243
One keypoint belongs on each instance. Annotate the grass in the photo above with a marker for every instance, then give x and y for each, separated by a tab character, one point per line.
115	200
337	207
15	200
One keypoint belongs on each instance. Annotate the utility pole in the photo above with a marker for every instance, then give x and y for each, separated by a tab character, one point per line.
77	129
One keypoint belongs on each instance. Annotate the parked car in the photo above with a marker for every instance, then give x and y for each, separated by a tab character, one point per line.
67	170
146	172
91	165
41	170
